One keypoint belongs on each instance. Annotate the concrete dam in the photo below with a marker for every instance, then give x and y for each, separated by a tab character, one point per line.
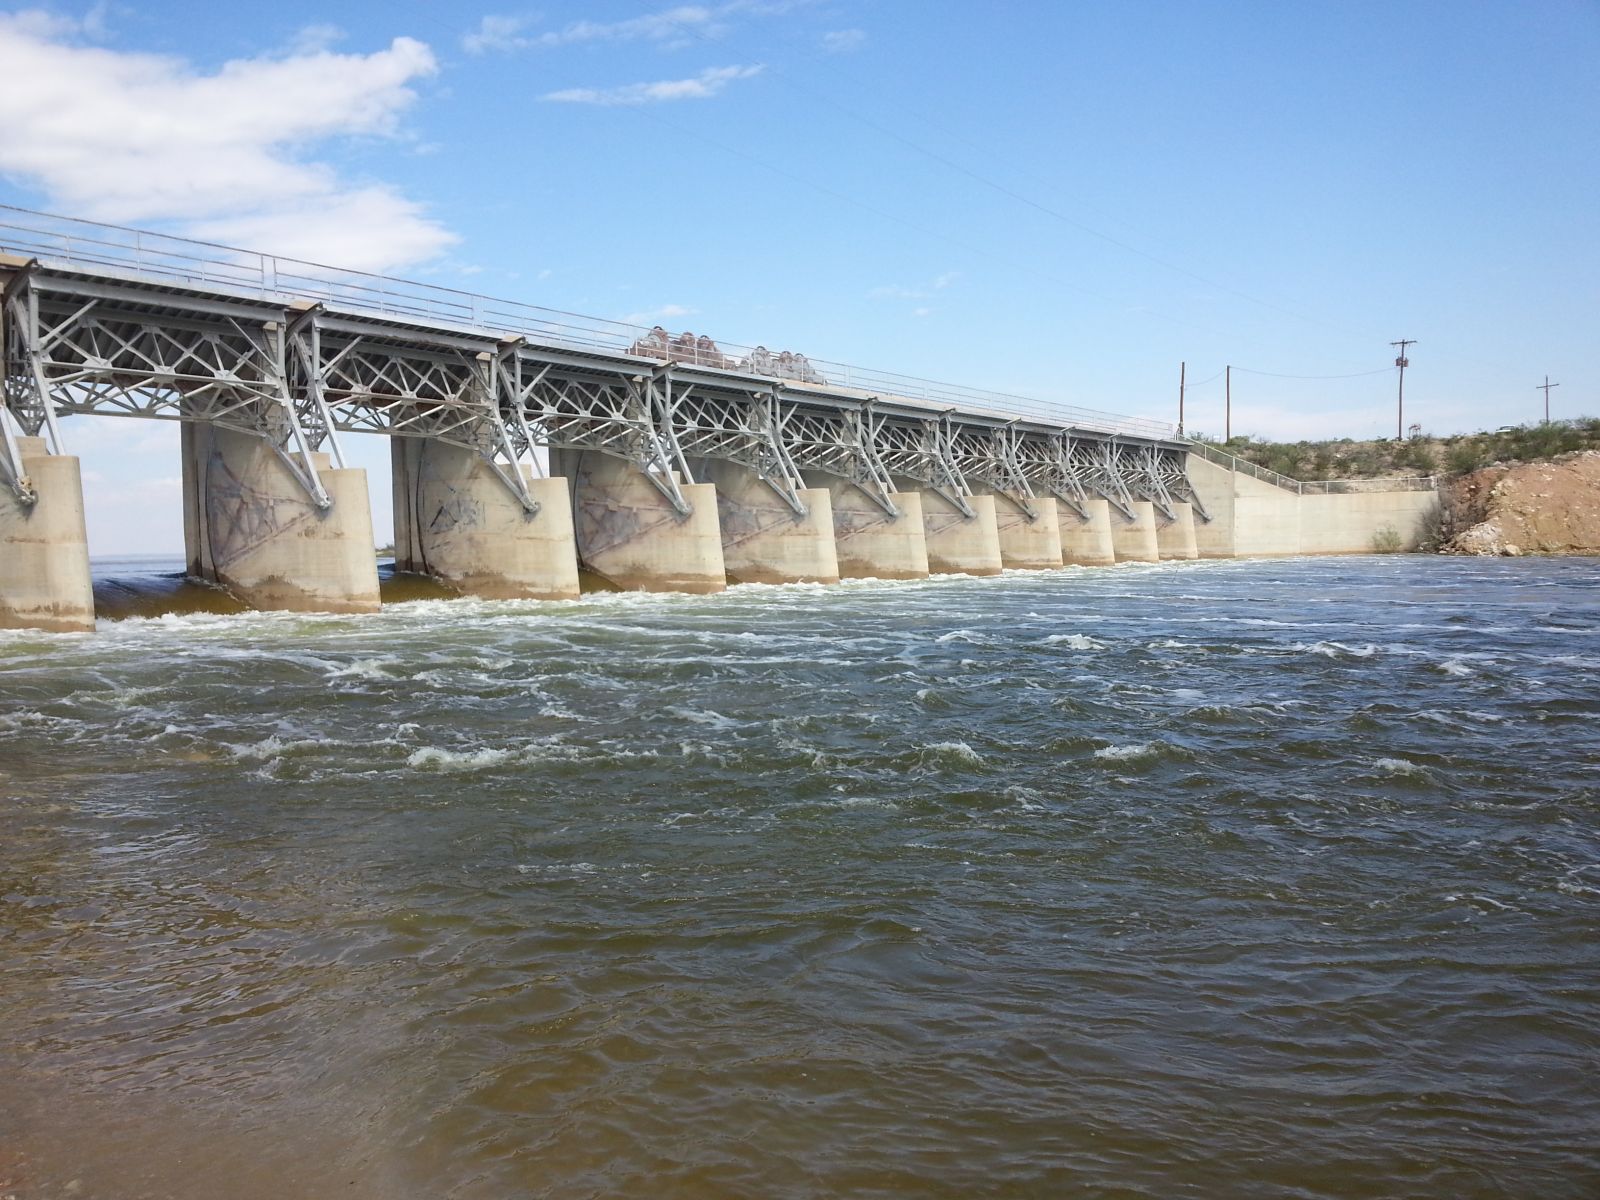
536	452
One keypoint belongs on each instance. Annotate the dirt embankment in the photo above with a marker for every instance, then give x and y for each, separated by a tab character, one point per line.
1528	508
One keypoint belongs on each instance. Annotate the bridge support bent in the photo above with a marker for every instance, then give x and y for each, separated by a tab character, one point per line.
1086	541
44	549
456	520
763	539
250	526
631	536
1135	540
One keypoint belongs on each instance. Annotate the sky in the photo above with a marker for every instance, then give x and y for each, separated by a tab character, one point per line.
1062	200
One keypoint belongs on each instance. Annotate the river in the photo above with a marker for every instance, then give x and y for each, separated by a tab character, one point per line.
1273	878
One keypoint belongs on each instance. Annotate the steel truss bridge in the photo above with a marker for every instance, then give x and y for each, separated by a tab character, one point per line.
109	321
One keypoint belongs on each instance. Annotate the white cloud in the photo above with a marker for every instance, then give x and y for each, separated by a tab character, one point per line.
895	291
701	87
844	41
138	138
673	26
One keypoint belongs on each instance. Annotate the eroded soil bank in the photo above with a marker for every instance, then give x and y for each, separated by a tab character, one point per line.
1548	507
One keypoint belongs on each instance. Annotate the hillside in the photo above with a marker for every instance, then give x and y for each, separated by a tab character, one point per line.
1346	458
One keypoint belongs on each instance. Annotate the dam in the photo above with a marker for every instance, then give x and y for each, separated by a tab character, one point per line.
535	453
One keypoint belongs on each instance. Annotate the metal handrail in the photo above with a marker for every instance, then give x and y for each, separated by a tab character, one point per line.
1313	487
73	242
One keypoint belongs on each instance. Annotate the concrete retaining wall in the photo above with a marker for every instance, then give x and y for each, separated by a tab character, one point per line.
44	548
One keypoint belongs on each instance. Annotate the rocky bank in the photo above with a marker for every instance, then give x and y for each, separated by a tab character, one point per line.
1548	507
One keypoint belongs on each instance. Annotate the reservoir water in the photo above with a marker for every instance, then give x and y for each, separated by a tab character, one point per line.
1275	879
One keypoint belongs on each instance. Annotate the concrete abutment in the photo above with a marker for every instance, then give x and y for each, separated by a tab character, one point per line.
629	535
763	539
1176	538
1135	540
44	547
1028	545
250	526
458	521
959	544
1086	541
869	543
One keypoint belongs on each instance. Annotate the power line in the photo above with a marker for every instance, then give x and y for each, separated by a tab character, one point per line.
1355	375
1545	388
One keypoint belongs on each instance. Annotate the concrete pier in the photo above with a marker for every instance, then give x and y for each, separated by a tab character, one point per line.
1176	538
249	526
868	543
958	543
456	520
1135	541
1087	543
763	539
629	536
44	548
1028	545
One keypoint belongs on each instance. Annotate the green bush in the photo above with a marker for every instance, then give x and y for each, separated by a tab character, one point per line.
1386	540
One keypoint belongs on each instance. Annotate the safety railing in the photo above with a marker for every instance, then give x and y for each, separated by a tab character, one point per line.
1313	487
159	257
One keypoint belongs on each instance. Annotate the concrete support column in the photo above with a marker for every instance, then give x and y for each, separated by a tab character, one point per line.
763	539
456	520
1028	545
958	543
1176	539
1087	542
1135	541
630	537
44	548
249	526
868	543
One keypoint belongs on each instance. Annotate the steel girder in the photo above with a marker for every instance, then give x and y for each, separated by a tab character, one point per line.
839	441
990	455
1046	461
626	416
1146	479
742	426
922	448
25	399
359	377
79	346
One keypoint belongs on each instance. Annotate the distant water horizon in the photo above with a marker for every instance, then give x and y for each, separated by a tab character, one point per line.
1237	878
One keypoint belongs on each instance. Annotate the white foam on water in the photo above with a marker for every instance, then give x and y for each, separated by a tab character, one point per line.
706	716
964	635
273	746
1129	751
367	668
1399	766
951	754
440	759
1074	641
1335	649
1454	666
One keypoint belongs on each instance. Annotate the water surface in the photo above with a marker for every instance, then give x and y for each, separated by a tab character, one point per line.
1203	879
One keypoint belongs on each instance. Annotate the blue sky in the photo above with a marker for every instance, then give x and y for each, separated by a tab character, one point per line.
1064	200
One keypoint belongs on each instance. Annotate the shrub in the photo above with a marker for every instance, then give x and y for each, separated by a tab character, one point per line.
1386	540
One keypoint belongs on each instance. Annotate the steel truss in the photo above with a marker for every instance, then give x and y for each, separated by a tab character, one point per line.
1046	461
922	448
568	406
990	455
744	426
840	441
80	346
357	377
1173	467
1101	468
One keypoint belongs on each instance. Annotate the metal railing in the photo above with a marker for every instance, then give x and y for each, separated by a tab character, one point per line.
1314	487
158	257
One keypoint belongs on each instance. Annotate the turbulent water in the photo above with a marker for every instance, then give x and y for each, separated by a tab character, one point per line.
1231	879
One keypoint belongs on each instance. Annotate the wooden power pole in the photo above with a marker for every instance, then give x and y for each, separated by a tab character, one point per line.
1545	388
1401	361
1183	368
1227	405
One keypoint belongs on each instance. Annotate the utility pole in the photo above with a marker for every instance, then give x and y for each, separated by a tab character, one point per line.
1545	388
1227	405
1401	361
1183	368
